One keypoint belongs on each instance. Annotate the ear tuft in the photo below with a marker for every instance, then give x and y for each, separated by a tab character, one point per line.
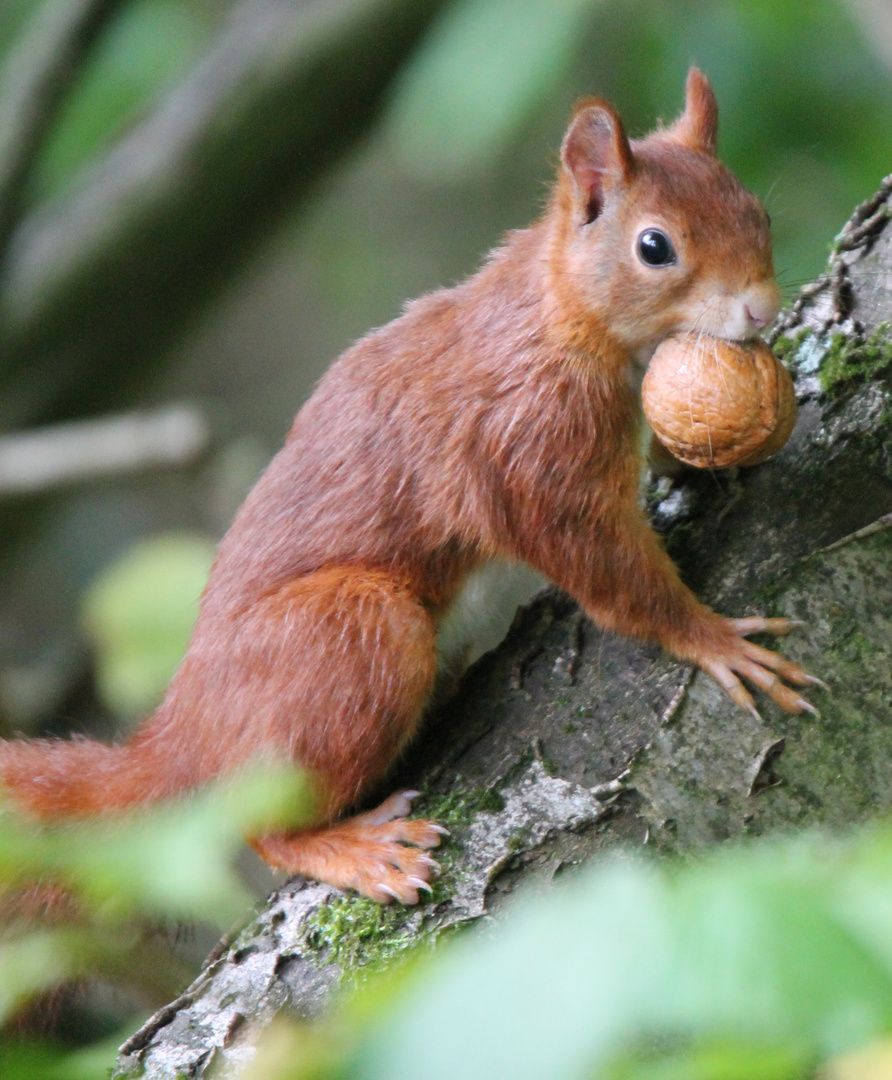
698	126
595	154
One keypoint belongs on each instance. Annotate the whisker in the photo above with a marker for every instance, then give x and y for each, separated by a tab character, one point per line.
770	192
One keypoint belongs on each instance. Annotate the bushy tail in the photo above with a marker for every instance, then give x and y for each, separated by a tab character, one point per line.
55	778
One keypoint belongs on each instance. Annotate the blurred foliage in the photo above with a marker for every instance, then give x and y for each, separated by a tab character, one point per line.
46	1061
139	614
765	961
170	860
123	878
761	962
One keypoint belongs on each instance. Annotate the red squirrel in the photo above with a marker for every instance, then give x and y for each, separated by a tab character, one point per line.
496	420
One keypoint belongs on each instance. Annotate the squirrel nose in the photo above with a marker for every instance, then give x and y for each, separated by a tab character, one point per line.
762	305
757	320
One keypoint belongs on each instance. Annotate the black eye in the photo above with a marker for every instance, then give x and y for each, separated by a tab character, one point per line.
655	248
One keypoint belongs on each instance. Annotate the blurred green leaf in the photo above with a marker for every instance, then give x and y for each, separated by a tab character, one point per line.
139	614
713	1061
92	1062
14	16
873	1062
476	77
32	964
568	970
761	959
36	1061
121	876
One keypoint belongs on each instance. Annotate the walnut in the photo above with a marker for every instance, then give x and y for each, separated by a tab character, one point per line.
717	403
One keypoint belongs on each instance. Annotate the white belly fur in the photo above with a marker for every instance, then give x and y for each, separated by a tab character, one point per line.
480	615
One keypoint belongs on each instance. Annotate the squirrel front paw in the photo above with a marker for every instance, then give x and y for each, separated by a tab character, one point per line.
730	656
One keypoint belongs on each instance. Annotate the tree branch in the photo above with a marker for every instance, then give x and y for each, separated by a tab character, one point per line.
51	457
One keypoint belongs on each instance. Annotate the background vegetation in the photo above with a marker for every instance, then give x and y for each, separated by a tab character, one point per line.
351	156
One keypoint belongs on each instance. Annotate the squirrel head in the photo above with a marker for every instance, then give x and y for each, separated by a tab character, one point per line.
656	236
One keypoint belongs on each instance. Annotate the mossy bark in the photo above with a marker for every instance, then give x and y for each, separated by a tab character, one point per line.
566	740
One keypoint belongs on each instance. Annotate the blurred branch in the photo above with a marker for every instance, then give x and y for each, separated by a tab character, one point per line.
100	284
34	82
90	449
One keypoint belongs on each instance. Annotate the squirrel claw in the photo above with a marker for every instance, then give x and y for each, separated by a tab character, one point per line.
376	853
813	680
386	889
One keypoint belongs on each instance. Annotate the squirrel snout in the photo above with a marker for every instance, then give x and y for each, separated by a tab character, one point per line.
735	313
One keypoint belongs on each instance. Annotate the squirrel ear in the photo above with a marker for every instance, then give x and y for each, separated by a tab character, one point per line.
595	155
698	126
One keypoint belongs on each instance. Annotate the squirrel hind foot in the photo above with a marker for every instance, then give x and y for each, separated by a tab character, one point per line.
384	860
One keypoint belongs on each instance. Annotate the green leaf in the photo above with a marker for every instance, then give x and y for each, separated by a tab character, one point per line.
36	962
714	1061
30	1061
761	953
173	860
559	986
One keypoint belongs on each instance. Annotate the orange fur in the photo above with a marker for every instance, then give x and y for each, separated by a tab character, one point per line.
497	418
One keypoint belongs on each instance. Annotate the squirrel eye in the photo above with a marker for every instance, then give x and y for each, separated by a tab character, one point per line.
655	248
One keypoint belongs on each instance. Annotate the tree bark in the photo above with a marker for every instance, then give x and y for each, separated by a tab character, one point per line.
567	740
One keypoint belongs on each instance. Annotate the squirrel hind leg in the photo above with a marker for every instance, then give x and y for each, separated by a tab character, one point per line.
359	650
382	859
348	667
